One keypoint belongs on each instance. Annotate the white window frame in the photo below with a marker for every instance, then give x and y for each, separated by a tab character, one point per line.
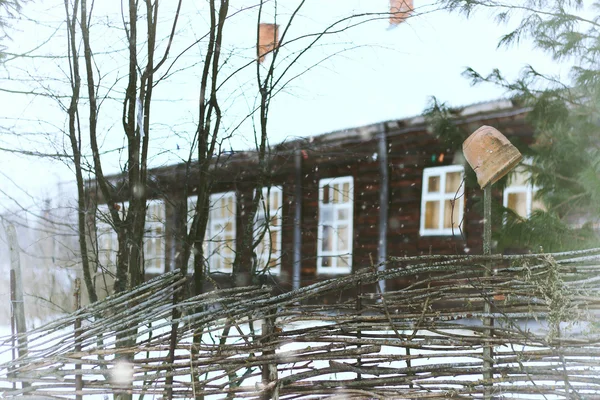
441	197
191	209
214	234
152	234
268	213
105	234
529	189
335	207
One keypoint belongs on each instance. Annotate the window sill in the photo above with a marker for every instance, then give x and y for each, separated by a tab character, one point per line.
334	271
440	232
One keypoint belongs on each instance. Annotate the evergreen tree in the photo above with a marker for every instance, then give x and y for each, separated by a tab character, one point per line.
565	115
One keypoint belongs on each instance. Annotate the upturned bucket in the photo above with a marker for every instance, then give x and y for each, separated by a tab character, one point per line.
490	154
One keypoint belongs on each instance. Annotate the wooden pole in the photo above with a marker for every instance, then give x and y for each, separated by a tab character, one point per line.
13	324
383	203
297	220
269	369
17	292
77	335
488	351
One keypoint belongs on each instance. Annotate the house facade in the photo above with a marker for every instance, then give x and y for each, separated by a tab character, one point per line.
335	203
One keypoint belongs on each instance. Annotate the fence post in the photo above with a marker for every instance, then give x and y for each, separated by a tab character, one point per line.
488	351
492	156
16	286
359	313
77	335
269	369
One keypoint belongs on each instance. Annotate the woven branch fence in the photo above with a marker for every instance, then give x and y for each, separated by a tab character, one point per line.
428	340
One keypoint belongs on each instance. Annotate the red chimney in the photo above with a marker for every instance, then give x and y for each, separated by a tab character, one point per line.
268	39
400	10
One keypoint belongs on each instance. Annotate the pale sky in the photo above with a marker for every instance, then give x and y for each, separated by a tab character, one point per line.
371	73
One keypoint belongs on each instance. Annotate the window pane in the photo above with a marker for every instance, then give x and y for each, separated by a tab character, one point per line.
326	215
451	214
346	192
228	264
261	248
326	262
274	205
149	249
327	238
260	222
433	185
273	242
518	203
537	204
326	194
452	182
336	193
344	261
518	177
342	238
275	220
343	214
432	214
230	208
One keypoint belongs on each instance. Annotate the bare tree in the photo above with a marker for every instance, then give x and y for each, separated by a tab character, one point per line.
148	52
8	8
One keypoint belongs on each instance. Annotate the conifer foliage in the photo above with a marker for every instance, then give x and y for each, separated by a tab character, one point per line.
565	115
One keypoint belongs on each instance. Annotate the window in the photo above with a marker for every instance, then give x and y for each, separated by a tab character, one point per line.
220	232
334	239
106	237
154	237
191	209
442	201
519	194
267	227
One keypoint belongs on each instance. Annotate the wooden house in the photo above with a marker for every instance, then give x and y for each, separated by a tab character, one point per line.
340	201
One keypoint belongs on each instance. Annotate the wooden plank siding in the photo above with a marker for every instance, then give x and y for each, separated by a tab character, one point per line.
411	149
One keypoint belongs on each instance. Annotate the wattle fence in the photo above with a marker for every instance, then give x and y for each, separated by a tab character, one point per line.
432	339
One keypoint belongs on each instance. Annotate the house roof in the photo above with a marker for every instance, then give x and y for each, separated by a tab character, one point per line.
472	113
483	111
504	112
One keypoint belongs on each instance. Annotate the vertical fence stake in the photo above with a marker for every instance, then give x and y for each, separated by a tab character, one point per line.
359	314
18	305
13	325
488	322
78	348
492	156
269	369
297	240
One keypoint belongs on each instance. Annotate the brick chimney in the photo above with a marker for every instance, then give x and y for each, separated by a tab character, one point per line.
400	10
268	40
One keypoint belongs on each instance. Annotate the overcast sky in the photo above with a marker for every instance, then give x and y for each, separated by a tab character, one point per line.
370	73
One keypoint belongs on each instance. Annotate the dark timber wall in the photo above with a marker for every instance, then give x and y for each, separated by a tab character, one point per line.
411	148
